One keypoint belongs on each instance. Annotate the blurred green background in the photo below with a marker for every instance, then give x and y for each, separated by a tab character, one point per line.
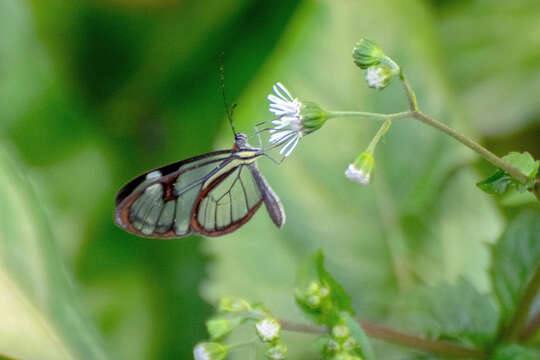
94	92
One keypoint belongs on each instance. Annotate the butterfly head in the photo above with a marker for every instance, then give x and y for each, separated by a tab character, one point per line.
240	141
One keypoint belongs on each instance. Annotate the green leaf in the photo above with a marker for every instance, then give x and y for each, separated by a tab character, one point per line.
318	294
359	335
515	352
515	257
457	312
38	309
500	182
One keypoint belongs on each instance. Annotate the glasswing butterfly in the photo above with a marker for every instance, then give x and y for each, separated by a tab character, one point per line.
212	194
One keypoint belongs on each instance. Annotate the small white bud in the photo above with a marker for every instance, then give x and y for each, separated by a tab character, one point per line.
268	329
209	351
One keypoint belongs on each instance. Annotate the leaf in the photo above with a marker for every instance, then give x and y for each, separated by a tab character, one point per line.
318	294
500	182
515	352
38	308
359	335
515	257
455	312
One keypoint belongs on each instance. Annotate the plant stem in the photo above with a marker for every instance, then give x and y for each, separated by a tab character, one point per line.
411	95
380	133
396	337
369	115
482	151
517	326
485	153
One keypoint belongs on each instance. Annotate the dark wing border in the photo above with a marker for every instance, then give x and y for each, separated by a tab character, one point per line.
198	228
126	195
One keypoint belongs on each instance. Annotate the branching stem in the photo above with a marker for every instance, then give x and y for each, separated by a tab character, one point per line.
384	333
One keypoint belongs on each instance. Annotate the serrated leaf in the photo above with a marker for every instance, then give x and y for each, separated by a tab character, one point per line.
456	312
501	181
38	311
515	352
524	162
359	335
515	257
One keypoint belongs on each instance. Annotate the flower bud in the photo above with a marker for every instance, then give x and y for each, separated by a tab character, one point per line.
276	352
312	117
349	344
209	351
360	170
340	333
220	327
233	305
379	76
367	53
268	329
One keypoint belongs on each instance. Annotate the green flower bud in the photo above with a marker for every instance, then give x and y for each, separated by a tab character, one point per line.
220	327
380	76
360	170
268	329
349	344
276	352
312	117
340	333
332	346
367	53
209	351
233	305
313	301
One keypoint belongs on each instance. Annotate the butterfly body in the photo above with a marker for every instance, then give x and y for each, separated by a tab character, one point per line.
211	194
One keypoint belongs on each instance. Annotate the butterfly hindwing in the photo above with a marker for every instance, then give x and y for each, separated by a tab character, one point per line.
227	202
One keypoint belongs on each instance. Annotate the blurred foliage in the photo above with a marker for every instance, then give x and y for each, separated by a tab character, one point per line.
94	92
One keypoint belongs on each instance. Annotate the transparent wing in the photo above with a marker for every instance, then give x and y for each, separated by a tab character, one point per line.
160	202
227	202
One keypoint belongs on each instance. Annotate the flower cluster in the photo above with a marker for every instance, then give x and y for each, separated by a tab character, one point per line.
233	312
339	344
380	69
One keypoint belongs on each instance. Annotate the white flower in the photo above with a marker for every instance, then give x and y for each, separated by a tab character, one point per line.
268	329
200	353
374	77
357	175
209	351
288	126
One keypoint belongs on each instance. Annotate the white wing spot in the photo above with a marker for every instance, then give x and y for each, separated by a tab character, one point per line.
153	175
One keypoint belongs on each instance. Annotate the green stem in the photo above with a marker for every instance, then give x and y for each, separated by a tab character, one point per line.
368	115
411	95
382	130
482	151
485	153
241	344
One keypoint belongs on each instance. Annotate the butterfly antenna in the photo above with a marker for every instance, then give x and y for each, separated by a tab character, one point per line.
228	110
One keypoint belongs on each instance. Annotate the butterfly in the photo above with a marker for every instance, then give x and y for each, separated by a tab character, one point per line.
212	194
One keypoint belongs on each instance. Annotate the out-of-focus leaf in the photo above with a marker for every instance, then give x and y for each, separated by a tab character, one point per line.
359	335
360	229
454	312
496	93
516	256
515	352
38	311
